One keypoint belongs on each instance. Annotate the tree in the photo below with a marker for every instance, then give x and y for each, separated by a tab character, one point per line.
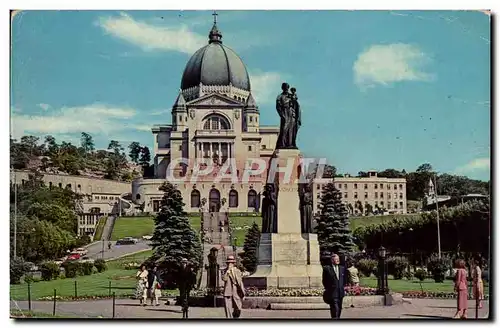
391	173
368	209
135	150
362	174
250	248
115	147
87	143
145	156
333	230
173	237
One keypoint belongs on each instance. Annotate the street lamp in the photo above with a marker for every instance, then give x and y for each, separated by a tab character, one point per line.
382	272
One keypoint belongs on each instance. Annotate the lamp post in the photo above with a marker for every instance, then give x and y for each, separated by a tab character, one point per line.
437	216
382	274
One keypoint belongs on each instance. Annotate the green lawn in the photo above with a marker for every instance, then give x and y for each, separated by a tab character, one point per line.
141	226
136	226
362	221
122	282
404	285
17	314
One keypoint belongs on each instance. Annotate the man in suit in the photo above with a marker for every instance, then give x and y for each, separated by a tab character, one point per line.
234	291
186	281
334	281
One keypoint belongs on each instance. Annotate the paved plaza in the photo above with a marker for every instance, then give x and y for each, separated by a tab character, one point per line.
126	308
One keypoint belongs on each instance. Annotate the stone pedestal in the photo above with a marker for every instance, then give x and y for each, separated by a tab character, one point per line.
288	258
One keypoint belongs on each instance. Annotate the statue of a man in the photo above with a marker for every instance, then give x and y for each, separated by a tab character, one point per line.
307	210
288	109
269	224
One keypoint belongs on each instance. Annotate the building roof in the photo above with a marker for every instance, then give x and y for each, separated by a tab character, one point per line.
215	64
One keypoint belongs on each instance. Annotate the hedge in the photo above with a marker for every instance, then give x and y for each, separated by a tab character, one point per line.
466	225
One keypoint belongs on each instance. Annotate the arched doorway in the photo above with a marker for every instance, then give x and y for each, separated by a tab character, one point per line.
214	200
195	198
252	199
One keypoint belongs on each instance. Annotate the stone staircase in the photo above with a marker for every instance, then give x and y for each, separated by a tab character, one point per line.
216	227
108	228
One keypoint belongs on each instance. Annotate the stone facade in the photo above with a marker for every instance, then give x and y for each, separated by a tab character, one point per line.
101	195
387	193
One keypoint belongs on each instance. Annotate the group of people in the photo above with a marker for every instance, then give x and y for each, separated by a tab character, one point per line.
461	287
148	285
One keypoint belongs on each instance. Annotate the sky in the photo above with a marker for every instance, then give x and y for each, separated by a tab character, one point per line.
378	89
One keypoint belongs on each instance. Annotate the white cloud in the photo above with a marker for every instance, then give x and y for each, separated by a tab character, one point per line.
143	127
265	86
385	64
44	106
152	37
95	118
478	164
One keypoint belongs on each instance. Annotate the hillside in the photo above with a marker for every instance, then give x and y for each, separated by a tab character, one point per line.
49	156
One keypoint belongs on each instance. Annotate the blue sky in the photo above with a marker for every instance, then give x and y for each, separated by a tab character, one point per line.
378	89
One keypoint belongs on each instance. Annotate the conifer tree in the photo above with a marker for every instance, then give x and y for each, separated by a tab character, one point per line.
250	247
334	233
173	237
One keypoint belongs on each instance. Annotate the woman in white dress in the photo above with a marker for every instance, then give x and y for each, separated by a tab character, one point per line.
141	291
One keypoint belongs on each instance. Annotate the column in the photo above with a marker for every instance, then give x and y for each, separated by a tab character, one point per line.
220	150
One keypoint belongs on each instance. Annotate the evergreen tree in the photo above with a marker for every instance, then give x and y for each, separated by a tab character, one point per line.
333	229
250	247
173	237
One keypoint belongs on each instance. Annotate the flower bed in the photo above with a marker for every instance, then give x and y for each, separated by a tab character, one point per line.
425	294
289	292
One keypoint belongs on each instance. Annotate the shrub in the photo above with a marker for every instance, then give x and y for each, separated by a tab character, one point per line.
420	274
72	269
28	278
437	267
49	270
100	265
87	268
18	267
367	266
396	266
408	275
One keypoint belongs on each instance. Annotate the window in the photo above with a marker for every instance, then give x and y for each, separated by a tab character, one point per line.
249	148
381	194
395	206
233	198
96	197
395	195
345	195
382	203
401	204
355	186
195	198
345	185
252	198
376	195
400	187
340	186
264	147
251	119
216	122
318	187
366	186
376	186
156	205
395	187
400	195
376	203
381	186
356	195
79	187
180	147
389	205
388	195
366	195
138	196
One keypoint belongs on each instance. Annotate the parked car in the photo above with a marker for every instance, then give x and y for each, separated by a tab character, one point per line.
73	257
81	251
126	241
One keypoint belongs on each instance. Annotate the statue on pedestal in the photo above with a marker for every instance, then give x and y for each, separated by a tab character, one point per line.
269	214
288	109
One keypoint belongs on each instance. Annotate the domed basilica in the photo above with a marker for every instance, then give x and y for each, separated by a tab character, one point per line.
214	117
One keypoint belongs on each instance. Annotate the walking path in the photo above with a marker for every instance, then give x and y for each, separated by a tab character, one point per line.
126	308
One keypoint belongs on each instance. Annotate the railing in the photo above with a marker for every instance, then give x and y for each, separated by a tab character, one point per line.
210	133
